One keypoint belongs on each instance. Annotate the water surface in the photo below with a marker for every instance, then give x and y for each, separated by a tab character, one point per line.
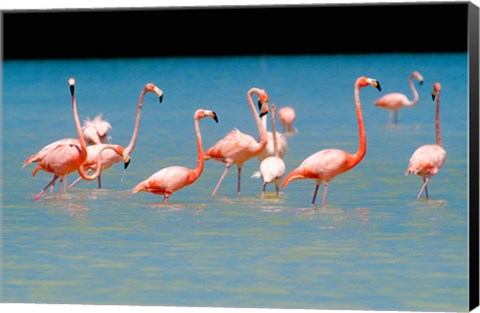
373	247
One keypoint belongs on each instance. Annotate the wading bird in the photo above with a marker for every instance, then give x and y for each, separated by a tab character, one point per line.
67	155
427	160
237	147
108	158
272	168
286	116
324	165
173	178
395	100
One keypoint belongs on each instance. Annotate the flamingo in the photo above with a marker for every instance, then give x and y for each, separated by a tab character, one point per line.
272	168
286	116
173	178
108	158
282	145
324	165
427	160
96	131
64	156
237	147
394	101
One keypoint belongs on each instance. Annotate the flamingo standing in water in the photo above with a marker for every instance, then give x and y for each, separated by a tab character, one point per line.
286	116
282	144
324	165
173	178
64	156
109	158
395	101
272	168
237	147
96	131
427	160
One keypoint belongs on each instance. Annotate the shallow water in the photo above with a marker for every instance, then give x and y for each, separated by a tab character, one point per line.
372	247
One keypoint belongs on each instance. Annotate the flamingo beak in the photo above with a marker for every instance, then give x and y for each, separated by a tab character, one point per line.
159	93
126	161
377	85
215	116
433	96
264	109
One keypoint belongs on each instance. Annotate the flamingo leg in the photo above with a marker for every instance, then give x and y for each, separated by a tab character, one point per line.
165	199
220	180
277	188
99	178
396	117
424	187
239	171
325	191
53	186
390	117
62	185
51	183
75	182
315	194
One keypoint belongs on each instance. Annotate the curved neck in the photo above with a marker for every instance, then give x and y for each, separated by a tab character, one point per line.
414	91
133	140
98	165
198	170
437	121
83	145
362	147
262	143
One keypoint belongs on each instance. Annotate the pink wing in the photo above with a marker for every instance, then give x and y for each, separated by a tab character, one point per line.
427	160
392	101
61	157
235	148
166	181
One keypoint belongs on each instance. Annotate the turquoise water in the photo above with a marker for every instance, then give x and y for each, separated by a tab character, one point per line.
373	247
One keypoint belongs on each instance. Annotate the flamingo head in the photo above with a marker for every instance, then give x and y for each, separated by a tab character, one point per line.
436	90
418	76
71	83
152	88
365	81
202	113
126	159
262	102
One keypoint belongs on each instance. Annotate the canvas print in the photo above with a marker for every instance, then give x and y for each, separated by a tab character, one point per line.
224	157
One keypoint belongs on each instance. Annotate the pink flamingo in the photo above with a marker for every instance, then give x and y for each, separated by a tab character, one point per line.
237	147
272	168
96	131
173	178
324	165
286	116
64	156
394	101
282	145
427	160
108	158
